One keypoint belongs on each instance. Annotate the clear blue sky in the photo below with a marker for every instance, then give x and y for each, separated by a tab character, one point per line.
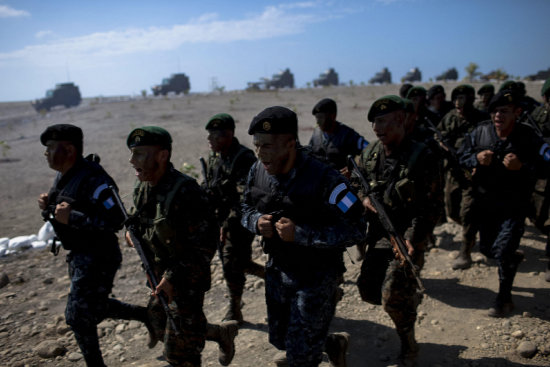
122	47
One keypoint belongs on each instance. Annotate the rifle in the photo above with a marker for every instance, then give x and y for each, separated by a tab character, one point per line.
463	176
204	171
397	241
526	116
152	277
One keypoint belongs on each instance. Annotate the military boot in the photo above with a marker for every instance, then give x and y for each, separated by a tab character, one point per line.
255	269
336	348
464	258
126	311
281	361
409	348
234	311
224	334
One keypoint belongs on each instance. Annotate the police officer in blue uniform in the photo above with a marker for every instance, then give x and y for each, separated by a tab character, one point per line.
307	215
81	208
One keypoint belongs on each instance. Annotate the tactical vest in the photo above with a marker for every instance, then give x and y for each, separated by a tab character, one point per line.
77	239
334	152
302	203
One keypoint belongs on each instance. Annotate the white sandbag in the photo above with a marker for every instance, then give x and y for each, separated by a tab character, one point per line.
39	244
46	232
21	242
4	242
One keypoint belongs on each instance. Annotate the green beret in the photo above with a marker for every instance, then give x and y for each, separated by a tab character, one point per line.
503	98
465	89
326	105
221	121
417	91
434	90
545	88
510	84
149	135
486	88
385	105
409	105
275	120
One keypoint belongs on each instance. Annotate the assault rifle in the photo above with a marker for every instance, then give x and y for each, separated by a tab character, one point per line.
396	239
204	171
526	116
129	223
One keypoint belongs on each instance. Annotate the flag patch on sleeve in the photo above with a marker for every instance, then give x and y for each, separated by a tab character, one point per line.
109	203
346	201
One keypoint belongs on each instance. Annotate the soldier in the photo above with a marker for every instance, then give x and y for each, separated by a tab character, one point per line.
404	89
228	166
424	117
178	229
437	103
485	93
504	154
458	200
83	213
307	215
541	196
403	174
332	141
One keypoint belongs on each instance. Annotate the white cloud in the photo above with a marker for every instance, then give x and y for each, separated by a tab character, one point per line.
272	22
9	12
44	34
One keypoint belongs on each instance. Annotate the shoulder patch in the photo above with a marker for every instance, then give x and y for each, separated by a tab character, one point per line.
342	197
99	190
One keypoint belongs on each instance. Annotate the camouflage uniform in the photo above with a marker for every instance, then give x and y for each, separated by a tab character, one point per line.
177	227
501	196
94	255
333	149
302	276
407	183
226	177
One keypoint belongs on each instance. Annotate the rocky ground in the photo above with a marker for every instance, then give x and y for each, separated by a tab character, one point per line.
452	328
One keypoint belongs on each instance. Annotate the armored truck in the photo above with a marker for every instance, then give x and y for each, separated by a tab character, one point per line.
283	79
414	75
329	77
450	74
381	77
177	83
64	94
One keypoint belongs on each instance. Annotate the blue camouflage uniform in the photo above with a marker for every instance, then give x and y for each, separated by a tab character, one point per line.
302	276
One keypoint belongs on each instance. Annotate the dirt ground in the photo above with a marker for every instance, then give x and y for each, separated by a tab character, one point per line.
452	328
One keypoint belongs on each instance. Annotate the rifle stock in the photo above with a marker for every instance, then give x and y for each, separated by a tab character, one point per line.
149	271
396	239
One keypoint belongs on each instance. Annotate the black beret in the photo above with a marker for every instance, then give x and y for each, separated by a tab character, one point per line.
509	84
326	105
465	89
149	135
504	97
274	120
385	105
545	88
486	88
221	121
417	91
65	132
435	89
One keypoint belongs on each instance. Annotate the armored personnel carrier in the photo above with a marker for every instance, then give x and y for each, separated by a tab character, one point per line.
414	75
64	94
381	77
283	79
450	74
329	77
177	83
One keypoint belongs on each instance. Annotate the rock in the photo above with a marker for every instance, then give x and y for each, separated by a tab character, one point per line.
120	328
74	357
4	280
134	324
526	349
62	329
518	334
50	349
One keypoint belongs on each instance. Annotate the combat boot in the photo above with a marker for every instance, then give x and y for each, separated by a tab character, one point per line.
409	348
281	361
336	347
255	269
224	334
501	308
464	258
234	311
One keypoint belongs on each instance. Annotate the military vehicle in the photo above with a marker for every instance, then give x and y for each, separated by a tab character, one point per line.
283	79
541	75
450	74
65	94
381	77
329	77
495	75
414	75
177	83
